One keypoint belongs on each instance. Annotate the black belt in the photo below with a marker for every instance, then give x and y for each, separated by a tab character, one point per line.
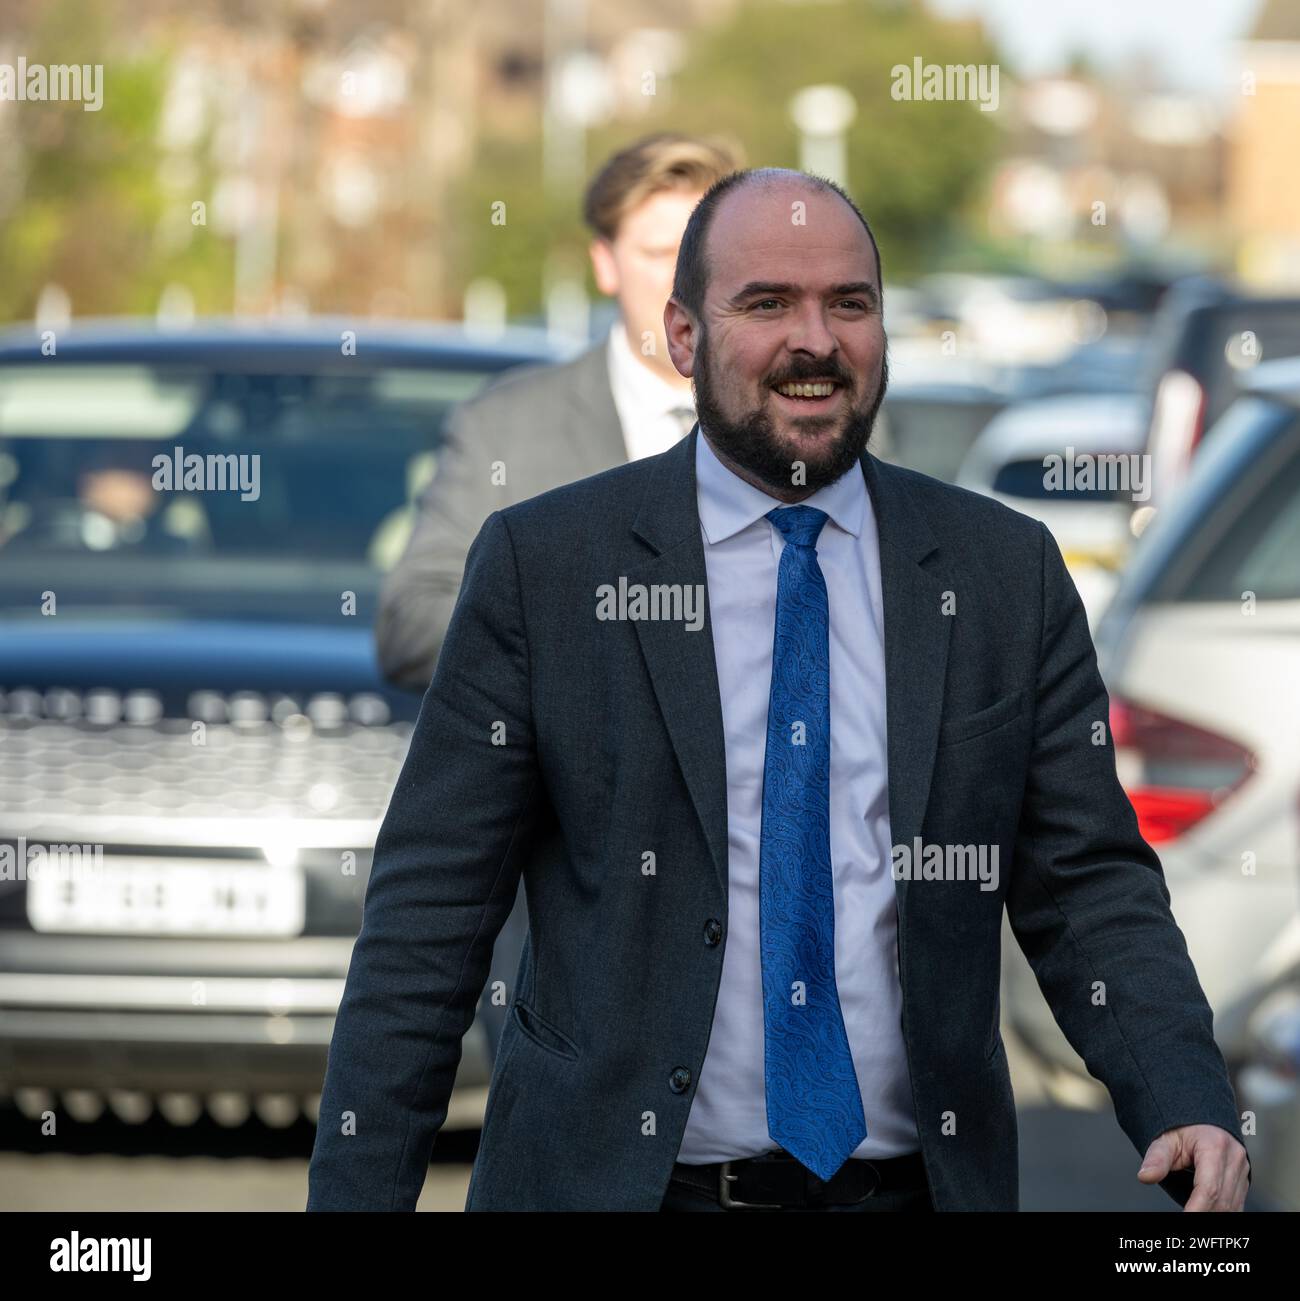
776	1179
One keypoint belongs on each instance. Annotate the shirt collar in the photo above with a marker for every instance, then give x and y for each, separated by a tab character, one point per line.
728	504
646	391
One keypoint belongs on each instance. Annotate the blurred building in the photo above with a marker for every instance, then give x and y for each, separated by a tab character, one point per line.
327	141
1264	185
1110	168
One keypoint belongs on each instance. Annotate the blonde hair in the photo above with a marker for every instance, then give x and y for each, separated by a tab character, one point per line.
667	161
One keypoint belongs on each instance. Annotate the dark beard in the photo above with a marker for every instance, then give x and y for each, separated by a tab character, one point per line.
751	441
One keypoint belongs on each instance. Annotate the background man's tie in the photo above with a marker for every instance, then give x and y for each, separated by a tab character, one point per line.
814	1108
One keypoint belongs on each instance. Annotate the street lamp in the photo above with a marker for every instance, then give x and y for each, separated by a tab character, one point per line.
823	115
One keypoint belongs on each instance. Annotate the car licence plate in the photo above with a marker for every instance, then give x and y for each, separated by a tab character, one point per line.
151	896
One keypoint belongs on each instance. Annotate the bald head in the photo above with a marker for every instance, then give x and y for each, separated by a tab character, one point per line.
759	193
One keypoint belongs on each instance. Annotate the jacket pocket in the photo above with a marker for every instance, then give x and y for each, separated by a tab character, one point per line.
542	1033
983	720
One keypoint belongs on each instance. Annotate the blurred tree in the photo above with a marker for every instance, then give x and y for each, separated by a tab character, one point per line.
81	199
96	203
507	223
914	166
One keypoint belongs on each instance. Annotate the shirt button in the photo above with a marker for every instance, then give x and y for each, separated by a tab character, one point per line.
680	1080
712	931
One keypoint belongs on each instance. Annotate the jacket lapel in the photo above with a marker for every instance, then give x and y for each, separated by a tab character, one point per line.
680	662
684	674
916	649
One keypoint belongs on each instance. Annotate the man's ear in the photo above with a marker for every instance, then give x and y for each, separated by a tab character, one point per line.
680	330
604	267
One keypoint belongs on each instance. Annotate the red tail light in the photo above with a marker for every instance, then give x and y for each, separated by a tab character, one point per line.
1173	772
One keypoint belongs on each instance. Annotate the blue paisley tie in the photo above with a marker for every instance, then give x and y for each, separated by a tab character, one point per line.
814	1108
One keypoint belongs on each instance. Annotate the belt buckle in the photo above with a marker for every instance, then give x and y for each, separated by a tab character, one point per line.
725	1178
876	1181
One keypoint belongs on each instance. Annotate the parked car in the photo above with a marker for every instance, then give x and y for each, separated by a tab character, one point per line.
189	697
937	407
1200	649
1206	337
1085	497
931	426
1269	1083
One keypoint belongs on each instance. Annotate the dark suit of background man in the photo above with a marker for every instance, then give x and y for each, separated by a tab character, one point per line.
734	990
621	400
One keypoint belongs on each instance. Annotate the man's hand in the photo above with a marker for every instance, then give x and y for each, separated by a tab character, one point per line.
1218	1160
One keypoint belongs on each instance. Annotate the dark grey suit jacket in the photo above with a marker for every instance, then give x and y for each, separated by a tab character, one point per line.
545	425
612	745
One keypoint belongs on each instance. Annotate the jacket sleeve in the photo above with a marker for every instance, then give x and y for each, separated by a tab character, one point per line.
1089	907
419	593
444	877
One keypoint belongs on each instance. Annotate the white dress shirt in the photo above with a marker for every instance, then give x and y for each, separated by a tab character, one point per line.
728	1116
644	401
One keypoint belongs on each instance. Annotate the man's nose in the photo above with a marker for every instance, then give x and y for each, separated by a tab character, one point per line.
810	332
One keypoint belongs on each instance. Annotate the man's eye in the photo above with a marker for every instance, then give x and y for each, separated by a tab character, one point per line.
776	302
854	302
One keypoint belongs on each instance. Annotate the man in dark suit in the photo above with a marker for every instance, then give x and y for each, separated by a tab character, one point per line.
542	426
772	732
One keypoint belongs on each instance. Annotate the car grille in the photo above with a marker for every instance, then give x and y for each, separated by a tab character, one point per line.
146	784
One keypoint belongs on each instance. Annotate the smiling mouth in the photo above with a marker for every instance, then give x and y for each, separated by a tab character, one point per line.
811	393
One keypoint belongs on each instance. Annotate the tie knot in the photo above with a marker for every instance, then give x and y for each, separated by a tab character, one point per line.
800	525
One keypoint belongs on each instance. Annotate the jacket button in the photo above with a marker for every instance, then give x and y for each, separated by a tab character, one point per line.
712	932
680	1080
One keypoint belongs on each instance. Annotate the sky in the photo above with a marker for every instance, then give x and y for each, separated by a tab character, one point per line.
1190	40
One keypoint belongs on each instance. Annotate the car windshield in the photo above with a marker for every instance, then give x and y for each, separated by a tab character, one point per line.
1256	546
1234	527
184	491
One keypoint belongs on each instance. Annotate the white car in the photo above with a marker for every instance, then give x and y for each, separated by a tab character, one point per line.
1200	650
1072	462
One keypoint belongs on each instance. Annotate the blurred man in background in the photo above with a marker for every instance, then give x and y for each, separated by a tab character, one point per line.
540	427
